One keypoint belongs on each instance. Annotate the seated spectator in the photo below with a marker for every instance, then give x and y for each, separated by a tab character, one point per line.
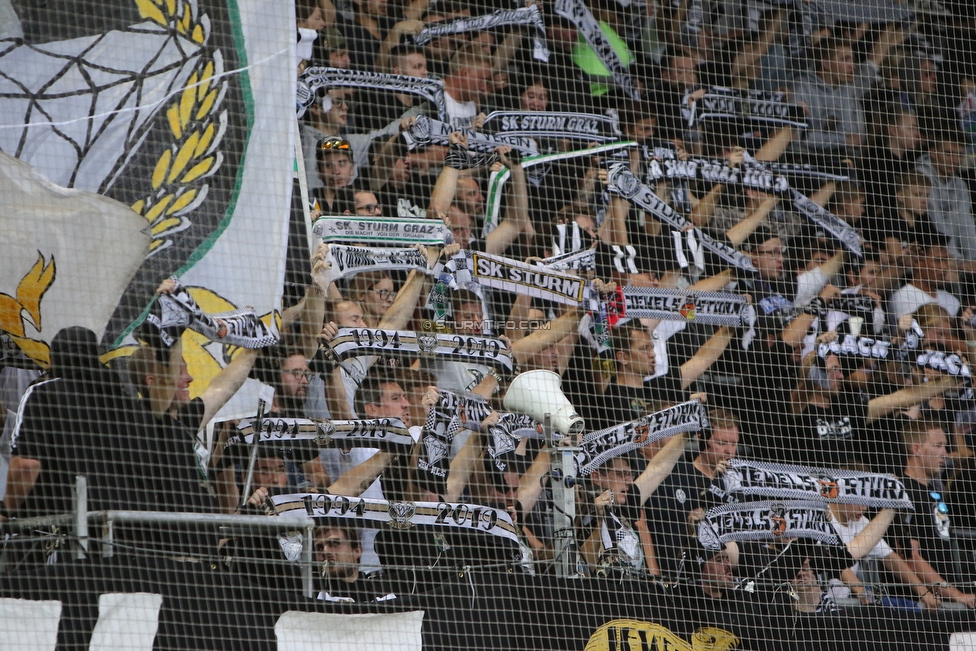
923	536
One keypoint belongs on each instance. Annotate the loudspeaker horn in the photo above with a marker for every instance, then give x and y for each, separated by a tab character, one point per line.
537	394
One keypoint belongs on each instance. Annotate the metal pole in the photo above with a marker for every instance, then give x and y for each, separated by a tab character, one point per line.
79	509
563	474
258	425
308	575
108	537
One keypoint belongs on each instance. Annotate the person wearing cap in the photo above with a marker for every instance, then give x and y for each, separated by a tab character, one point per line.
334	163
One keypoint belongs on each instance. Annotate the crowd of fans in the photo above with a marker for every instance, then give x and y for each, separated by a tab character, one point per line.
885	150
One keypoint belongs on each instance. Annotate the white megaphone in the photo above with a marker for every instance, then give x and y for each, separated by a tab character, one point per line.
537	394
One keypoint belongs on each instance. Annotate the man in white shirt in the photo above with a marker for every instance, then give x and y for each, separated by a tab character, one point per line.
930	277
848	521
466	85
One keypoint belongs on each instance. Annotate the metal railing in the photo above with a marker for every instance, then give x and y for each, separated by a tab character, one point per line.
80	518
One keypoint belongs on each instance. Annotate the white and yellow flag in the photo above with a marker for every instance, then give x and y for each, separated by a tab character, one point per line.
158	143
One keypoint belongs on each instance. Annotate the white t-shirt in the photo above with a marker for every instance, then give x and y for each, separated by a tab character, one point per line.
847	533
459	114
909	298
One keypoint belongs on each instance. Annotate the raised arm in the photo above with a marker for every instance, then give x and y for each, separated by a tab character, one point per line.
398	316
904	398
223	387
21	476
530	484
705	357
868	538
463	464
516	219
660	466
357	479
543	338
442	196
741	231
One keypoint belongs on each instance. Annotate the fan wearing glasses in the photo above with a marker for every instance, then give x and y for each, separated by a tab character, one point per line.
374	292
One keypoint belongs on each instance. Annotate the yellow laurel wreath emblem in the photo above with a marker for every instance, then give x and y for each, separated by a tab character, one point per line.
196	123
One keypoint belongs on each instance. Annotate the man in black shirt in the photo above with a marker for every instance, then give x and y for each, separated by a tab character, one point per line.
78	421
692	485
923	535
338	550
175	480
630	394
607	524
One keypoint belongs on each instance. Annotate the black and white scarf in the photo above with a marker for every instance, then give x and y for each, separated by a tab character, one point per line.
172	313
584	260
624	183
766	521
850	346
576	12
588	127
453	412
831	223
806	171
356	342
880	348
504	437
382	230
425	131
596	448
314	78
381	433
771	480
523	278
757	107
364	512
344	261
759	176
710	308
523	16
